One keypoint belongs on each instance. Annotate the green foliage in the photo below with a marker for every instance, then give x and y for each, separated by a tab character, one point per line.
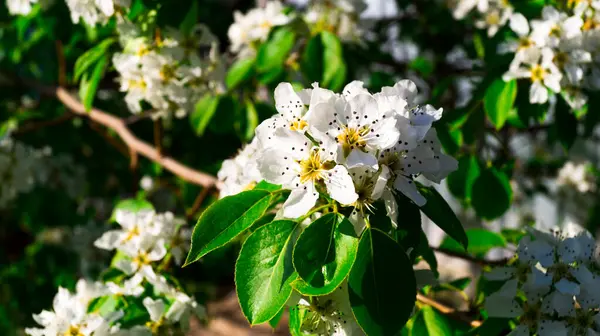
240	72
324	254
491	194
226	219
499	99
381	285
264	271
442	215
481	241
272	55
323	61
429	322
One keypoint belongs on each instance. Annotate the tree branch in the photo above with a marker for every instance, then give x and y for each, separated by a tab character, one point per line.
135	144
451	312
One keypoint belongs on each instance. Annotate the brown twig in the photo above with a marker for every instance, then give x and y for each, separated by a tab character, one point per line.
198	202
118	125
475	260
34	126
451	312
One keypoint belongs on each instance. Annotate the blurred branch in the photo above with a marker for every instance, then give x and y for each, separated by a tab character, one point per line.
116	124
451	312
198	202
34	126
475	260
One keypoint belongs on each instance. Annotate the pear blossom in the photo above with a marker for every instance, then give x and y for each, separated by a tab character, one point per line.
542	73
254	27
576	176
93	12
296	163
551	286
240	172
136	226
329	314
495	17
339	17
141	256
24	7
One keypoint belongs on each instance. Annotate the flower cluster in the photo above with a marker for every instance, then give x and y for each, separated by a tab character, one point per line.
551	285
330	314
93	12
145	239
490	14
577	176
239	173
249	30
356	148
168	72
339	17
22	168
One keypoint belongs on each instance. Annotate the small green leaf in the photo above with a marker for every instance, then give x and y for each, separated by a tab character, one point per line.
274	322
203	113
89	83
240	71
324	254
264	271
442	215
264	185
408	232
334	67
499	99
480	242
190	20
422	65
381	285
491	194
92	56
430	323
427	253
225	219
273	53
251	120
312	59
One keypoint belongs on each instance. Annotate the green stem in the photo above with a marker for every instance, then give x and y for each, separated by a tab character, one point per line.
319	208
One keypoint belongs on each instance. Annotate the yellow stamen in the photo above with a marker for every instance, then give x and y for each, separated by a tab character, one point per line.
298	125
352	138
537	73
312	168
73	331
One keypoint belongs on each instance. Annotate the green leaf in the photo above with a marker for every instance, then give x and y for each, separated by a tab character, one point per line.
264	185
324	254
430	322
427	253
190	20
408	232
381	285
92	56
240	71
89	83
491	194
461	180
251	120
312	59
273	53
225	219
499	99
264	271
297	315
334	67
422	65
323	61
203	113
480	242
274	322
442	215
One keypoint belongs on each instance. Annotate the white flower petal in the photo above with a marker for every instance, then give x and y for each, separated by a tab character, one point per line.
340	185
300	201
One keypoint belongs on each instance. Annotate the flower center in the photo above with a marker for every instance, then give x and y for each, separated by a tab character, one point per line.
312	168
141	259
589	24
537	73
167	73
525	42
351	138
298	125
266	25
531	314
555	31
135	231
73	331
560	59
137	84
492	19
